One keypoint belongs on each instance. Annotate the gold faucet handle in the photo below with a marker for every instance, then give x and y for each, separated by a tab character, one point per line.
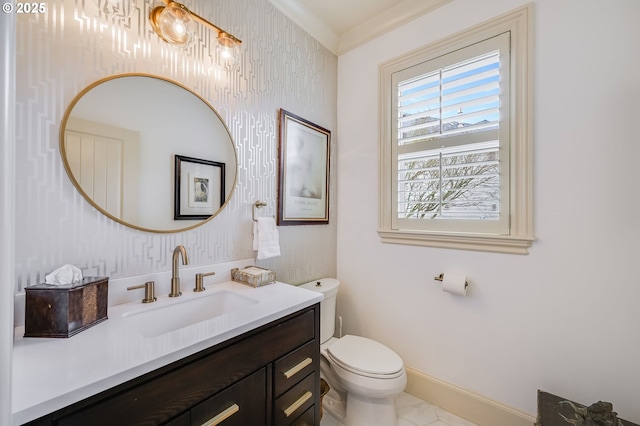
149	291
200	281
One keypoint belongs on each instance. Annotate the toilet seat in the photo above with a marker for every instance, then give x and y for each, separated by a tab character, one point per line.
365	357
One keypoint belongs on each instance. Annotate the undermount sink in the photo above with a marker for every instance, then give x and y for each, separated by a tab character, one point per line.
158	320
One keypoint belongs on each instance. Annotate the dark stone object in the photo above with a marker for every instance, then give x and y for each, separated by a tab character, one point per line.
556	411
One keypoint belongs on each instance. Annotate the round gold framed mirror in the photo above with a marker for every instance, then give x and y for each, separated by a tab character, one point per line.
148	153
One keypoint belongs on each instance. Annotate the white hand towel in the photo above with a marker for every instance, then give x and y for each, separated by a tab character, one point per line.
268	244
255	235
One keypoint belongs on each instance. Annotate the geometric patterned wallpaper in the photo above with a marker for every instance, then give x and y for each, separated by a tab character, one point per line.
73	44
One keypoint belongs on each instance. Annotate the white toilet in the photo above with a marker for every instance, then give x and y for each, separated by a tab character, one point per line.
364	375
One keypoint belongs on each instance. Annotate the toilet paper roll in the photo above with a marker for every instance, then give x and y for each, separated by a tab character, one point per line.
455	284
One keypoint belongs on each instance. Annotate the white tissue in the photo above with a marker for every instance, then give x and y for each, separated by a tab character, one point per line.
66	274
455	284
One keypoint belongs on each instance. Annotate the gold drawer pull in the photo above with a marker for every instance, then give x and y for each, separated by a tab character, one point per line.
293	407
222	416
297	368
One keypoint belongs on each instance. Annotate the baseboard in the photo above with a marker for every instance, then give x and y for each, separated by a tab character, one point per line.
468	405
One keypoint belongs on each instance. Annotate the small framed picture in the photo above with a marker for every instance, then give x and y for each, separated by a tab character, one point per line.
199	188
303	178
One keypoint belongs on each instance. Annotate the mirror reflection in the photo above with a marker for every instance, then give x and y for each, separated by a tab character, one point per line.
148	153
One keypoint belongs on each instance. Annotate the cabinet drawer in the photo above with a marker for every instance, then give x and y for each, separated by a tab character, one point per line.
293	367
241	404
292	333
183	420
307	419
296	401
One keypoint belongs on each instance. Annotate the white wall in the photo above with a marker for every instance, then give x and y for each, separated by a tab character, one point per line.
61	52
566	317
7	199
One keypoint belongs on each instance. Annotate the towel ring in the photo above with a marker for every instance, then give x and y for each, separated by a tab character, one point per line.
257	205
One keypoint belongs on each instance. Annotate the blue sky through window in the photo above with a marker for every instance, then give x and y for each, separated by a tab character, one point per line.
466	90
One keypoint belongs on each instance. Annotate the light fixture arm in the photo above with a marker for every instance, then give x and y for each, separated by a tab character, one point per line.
221	33
224	38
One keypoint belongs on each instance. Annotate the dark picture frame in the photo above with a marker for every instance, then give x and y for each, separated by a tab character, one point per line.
303	176
199	188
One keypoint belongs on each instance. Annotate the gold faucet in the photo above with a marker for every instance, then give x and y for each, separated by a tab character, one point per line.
175	271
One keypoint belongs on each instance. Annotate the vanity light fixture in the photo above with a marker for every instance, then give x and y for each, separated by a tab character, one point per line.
174	23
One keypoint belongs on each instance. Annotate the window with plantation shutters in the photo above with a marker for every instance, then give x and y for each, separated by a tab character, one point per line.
450	134
457	183
447	144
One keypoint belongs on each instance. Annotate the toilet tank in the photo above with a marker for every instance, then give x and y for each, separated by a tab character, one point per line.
328	287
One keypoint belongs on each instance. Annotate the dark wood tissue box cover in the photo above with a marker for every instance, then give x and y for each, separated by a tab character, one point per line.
65	310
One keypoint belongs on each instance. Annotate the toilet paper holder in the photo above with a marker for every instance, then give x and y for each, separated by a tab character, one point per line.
441	278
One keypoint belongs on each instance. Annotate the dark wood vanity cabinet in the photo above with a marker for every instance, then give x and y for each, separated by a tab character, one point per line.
269	376
243	403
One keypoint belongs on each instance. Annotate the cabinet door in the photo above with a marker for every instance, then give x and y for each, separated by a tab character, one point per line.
241	404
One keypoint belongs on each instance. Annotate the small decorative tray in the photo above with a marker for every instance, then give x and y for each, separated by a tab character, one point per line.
253	276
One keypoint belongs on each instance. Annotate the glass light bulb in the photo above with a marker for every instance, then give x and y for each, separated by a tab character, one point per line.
228	52
175	24
179	29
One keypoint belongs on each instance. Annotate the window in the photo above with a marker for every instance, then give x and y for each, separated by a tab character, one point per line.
455	143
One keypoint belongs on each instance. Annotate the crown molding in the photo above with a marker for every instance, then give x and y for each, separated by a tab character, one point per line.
309	22
391	19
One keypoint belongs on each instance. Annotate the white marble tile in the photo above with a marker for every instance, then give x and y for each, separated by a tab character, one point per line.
413	411
420	414
327	420
452	419
405	422
405	399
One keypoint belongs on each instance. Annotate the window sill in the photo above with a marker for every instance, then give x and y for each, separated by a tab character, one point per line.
479	242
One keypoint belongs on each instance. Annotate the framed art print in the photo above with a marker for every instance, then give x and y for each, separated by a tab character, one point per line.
199	188
303	178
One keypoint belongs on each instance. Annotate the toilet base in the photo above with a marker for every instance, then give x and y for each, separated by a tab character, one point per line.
335	406
356	411
362	411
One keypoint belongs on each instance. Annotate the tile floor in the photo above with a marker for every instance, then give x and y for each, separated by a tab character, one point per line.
413	412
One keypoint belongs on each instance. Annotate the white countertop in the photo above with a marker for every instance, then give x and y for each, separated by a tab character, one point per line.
49	374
